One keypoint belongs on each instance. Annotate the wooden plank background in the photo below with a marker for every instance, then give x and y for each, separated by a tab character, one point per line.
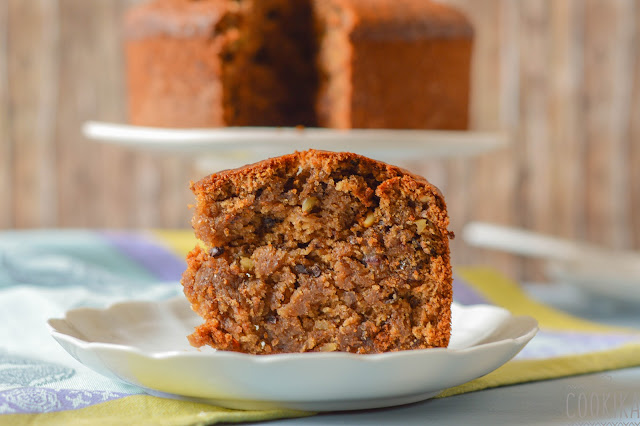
562	77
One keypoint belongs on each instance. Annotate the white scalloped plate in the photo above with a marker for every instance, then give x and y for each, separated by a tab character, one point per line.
144	344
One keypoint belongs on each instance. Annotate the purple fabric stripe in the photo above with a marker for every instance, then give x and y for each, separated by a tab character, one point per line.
45	400
155	258
549	344
464	294
575	337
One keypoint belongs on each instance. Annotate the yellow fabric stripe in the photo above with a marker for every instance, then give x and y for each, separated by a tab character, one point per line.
515	372
180	242
148	410
501	291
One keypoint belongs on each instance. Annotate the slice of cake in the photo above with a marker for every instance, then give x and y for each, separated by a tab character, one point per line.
319	251
329	63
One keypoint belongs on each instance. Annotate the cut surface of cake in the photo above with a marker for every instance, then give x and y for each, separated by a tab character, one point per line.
327	63
318	252
213	63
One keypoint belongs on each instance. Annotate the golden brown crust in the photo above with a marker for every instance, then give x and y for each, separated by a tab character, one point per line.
320	251
316	158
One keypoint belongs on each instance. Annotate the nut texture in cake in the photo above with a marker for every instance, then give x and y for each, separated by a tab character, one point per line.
319	251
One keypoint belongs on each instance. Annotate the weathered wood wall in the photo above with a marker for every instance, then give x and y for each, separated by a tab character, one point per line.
562	77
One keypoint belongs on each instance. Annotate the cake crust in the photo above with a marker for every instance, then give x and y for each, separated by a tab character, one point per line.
319	251
393	64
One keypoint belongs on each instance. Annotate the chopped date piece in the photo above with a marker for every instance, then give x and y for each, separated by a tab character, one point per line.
314	271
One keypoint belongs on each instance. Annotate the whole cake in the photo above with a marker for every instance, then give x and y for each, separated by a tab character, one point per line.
319	251
331	63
